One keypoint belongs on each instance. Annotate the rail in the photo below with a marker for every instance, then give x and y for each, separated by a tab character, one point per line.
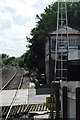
14	98
9	81
2	69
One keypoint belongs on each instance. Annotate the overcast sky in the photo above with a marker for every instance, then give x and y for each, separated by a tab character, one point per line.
17	18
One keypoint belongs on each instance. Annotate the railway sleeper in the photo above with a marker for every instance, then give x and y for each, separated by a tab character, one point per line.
5	111
23	110
45	109
31	108
42	108
19	109
34	106
14	110
28	108
39	107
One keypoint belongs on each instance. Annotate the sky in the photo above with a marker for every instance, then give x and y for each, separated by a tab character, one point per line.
17	18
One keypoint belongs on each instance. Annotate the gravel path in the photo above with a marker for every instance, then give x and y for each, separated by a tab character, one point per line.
26	81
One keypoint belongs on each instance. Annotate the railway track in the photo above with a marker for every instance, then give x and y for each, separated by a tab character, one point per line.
14	81
7	74
2	70
20	110
8	82
9	112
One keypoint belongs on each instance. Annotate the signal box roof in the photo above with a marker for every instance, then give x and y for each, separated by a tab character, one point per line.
63	31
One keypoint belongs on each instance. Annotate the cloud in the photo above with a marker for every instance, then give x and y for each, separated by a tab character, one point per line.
17	18
5	21
48	1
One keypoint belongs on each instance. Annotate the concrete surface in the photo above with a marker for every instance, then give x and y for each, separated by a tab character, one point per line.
6	97
41	117
24	96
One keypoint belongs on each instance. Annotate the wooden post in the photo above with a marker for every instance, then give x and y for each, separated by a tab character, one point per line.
78	103
51	108
55	91
65	104
50	63
57	102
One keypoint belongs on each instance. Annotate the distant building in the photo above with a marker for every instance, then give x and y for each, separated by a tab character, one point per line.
50	44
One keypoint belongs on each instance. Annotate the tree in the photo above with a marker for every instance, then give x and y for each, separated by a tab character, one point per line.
46	23
5	56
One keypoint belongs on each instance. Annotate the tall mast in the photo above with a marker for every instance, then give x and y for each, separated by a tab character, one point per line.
61	50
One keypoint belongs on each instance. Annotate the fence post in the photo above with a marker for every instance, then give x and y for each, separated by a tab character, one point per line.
57	102
65	103
55	91
77	103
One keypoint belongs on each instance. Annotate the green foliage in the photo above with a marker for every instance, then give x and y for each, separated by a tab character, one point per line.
6	60
44	104
3	59
47	22
19	61
74	14
4	56
1	63
32	73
